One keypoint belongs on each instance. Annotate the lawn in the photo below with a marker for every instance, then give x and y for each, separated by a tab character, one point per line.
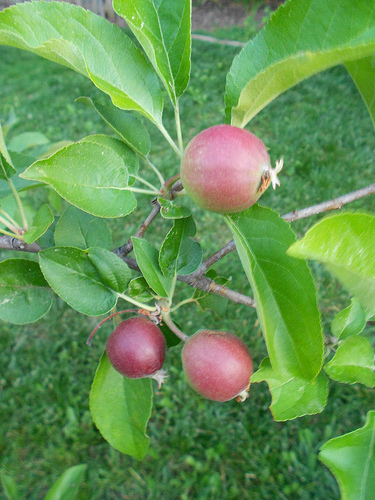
198	449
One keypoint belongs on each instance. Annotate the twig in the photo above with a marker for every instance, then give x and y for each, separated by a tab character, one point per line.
124	250
197	279
210	261
205	284
211	39
334	204
9	243
208	285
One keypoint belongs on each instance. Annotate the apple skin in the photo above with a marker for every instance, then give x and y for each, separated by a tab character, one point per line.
217	365
136	348
222	169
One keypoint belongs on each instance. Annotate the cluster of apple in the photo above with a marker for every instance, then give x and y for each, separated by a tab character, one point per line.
224	169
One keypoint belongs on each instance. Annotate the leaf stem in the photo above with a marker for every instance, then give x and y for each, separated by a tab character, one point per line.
182	303
19	203
155	169
178	126
13	235
10	226
170	140
143	191
10	219
136	303
146	183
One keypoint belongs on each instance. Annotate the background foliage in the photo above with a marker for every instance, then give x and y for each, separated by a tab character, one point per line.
199	449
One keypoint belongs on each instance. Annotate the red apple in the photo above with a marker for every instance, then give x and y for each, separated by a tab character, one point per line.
136	348
225	169
217	365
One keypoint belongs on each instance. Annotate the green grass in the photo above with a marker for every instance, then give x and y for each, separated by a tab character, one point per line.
198	449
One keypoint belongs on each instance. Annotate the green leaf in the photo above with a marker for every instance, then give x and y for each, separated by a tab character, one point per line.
25	295
292	397
345	243
170	210
20	163
126	125
350	321
6	169
68	484
163	29
113	271
89	281
41	222
180	254
81	230
88	175
3	148
148	261
353	362
89	44
9	486
212	301
121	408
127	155
139	290
363	73
351	459
284	292
27	140
301	39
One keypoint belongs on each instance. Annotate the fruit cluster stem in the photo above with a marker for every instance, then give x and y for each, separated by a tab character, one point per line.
168	321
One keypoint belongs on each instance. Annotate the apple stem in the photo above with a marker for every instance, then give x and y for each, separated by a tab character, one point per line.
166	317
89	340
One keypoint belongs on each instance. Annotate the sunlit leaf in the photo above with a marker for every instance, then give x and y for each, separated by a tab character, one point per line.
350	321
292	397
353	362
126	125
121	408
345	243
163	28
91	176
302	38
89	44
351	459
284	292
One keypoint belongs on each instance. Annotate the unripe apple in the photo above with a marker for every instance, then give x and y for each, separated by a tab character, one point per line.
136	348
225	169
217	365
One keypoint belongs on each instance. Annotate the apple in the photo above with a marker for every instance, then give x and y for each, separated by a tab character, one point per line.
225	169
217	365
136	348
